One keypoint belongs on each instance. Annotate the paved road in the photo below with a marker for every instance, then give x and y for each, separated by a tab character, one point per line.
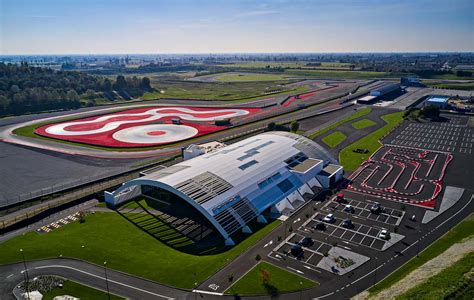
88	274
340	287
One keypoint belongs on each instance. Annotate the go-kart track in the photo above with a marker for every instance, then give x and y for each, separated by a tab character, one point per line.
403	174
143	127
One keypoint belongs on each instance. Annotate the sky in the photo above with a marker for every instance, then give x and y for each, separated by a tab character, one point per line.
231	26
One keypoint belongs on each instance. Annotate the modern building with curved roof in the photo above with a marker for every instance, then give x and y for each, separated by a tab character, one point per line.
276	171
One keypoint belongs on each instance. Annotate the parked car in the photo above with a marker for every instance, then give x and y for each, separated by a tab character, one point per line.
347	223
296	250
384	234
329	218
340	197
349	208
320	226
307	242
376	208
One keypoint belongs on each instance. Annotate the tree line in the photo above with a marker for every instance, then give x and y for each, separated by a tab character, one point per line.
27	89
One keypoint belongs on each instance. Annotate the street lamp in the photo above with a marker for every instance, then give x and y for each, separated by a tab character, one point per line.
106	280
301	289
26	273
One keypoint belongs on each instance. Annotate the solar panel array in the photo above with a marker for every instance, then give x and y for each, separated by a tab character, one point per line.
203	187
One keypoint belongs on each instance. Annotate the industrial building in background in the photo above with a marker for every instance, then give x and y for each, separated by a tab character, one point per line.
378	92
274	172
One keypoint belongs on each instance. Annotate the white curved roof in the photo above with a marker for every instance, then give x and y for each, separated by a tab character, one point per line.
237	168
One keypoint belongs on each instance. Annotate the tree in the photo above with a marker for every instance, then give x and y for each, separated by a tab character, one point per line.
271	126
145	84
430	111
294	126
120	83
258	257
264	276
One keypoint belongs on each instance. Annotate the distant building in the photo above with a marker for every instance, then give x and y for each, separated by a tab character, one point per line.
439	101
410	81
385	89
367	100
276	172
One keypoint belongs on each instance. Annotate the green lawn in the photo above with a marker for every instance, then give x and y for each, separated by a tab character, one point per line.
334	139
280	281
455	235
77	290
358	114
235	91
351	160
340	74
448	283
453	86
109	237
364	123
231	77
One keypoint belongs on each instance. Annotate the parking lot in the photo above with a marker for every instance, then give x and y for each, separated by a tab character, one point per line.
390	216
312	254
452	136
361	234
361	237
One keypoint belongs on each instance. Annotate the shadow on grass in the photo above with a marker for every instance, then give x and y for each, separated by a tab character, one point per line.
271	290
178	232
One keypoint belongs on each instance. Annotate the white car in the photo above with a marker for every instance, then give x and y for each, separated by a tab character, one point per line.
384	234
329	218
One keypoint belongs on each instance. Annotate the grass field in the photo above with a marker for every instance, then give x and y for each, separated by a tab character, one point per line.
110	237
456	234
291	64
280	281
334	139
358	114
77	290
232	77
340	74
238	90
364	123
452	86
351	160
452	282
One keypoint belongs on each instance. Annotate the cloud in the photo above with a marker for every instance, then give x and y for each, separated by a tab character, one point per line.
255	13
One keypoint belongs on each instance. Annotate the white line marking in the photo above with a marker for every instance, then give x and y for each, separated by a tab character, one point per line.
297	271
100	277
9	275
209	293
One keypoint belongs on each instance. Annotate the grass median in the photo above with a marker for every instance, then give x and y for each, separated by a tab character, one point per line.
456	234
77	290
279	281
364	123
109	237
358	114
334	139
352	160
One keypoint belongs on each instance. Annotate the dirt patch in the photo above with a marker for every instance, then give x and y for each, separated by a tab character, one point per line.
421	274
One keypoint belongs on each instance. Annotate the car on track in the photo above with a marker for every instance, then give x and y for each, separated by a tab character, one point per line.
349	208
384	234
329	218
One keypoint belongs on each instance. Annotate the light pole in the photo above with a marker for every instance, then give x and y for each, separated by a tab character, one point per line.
301	289
106	280
26	272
